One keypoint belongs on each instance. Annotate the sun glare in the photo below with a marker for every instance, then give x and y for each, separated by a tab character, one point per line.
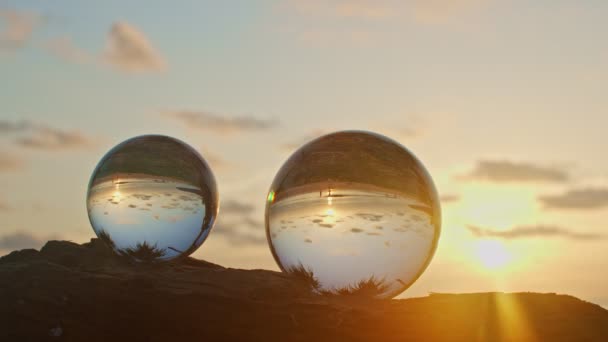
330	216
116	196
492	254
493	208
497	207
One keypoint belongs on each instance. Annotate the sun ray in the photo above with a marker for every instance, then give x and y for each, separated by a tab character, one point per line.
512	320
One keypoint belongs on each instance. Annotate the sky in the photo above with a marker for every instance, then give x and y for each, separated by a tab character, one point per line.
503	102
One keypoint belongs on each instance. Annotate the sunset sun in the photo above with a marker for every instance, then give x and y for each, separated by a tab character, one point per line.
492	255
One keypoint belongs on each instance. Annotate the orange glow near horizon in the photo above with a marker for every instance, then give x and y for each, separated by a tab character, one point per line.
497	207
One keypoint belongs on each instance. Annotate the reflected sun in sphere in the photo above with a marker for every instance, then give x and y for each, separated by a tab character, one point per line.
152	198
355	213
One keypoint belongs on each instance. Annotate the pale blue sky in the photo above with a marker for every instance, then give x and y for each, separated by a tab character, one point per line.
457	82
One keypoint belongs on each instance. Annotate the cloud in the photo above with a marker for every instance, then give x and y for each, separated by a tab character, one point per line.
215	161
8	162
237	237
359	9
440	11
232	207
4	207
395	130
20	240
449	198
532	231
362	9
330	38
17	28
588	198
237	226
421	11
14	127
64	48
506	171
221	124
295	144
41	136
407	132
47	138
128	49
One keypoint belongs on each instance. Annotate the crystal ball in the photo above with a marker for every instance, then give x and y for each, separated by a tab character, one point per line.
152	198
353	213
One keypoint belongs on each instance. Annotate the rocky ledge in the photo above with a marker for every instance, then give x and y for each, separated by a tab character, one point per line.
75	292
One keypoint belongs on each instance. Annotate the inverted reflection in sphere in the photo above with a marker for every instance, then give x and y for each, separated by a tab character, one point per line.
152	198
353	213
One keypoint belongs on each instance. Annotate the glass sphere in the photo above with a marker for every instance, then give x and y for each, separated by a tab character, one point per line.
353	213
152	198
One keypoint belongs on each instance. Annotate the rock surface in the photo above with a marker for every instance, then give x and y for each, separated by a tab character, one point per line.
71	292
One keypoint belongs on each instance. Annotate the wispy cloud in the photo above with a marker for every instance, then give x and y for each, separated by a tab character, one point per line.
41	136
395	131
532	231
64	48
299	142
21	240
14	126
54	139
18	28
507	171
221	124
128	49
449	198
399	131
216	162
586	198
237	224
355	22
4	207
332	37
360	9
422	11
9	162
233	207
237	237
440	11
